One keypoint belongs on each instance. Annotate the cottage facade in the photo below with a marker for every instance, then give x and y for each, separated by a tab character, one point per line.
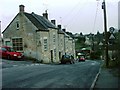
37	37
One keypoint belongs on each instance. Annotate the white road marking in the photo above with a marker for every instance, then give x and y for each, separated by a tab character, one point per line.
27	65
15	65
92	63
36	64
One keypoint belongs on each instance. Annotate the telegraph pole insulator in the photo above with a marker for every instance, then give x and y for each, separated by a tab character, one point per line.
103	5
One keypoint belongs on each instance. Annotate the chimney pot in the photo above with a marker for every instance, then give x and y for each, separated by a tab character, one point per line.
53	21
59	26
64	30
45	15
21	8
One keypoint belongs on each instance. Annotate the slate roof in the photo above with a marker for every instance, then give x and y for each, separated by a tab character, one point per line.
60	31
39	21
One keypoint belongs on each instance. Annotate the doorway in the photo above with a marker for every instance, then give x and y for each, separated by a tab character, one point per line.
59	55
51	55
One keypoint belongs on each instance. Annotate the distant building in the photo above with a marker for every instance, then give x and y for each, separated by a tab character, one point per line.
88	41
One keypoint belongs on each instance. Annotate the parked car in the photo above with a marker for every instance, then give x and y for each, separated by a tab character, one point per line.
67	59
82	58
8	53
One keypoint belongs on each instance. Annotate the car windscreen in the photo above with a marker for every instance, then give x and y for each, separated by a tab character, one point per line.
66	56
3	49
10	49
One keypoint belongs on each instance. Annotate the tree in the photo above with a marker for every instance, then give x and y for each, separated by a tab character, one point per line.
81	34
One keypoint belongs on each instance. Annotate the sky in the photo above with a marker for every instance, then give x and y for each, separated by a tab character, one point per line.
75	16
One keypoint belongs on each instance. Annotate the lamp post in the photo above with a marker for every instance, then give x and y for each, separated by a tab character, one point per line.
105	30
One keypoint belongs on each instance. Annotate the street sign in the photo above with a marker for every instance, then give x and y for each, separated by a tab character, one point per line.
112	36
111	29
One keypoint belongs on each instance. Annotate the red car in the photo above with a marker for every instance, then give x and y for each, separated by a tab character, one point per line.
8	53
82	58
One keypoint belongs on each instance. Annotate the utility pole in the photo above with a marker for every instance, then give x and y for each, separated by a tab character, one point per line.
0	35
105	30
0	29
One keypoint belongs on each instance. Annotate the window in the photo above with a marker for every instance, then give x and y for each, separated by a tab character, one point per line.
54	39
45	44
7	43
17	44
3	49
17	25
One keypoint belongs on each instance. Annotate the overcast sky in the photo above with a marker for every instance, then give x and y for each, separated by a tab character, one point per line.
76	16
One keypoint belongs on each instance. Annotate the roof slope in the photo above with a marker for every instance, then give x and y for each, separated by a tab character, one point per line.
34	21
39	21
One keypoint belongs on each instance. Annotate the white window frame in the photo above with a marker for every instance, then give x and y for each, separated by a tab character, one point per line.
45	41
17	44
54	39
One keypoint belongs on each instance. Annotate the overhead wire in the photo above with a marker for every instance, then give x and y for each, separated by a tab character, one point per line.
96	13
66	17
72	17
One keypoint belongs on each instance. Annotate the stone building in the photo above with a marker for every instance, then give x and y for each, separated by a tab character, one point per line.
37	37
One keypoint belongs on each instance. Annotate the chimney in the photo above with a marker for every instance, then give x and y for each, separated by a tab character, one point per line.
59	26
64	30
53	21
45	15
21	8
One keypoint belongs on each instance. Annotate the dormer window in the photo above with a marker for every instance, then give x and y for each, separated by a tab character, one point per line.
17	25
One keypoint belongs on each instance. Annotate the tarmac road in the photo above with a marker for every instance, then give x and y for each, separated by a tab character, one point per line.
78	75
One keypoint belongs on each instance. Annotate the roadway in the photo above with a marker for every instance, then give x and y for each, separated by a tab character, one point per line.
36	75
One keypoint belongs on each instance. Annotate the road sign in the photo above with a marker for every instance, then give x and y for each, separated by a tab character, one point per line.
112	36
111	29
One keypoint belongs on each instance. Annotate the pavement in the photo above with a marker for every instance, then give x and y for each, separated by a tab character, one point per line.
107	79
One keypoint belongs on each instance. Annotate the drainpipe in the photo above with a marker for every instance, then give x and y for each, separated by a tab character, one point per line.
36	47
64	43
49	46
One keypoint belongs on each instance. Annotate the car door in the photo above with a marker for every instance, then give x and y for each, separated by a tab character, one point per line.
4	52
0	53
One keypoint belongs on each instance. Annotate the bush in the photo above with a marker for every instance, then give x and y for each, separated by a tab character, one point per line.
95	55
112	64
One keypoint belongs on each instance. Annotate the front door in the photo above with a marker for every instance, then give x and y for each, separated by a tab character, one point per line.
51	55
59	55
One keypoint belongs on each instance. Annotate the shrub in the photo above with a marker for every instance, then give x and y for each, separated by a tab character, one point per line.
95	55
